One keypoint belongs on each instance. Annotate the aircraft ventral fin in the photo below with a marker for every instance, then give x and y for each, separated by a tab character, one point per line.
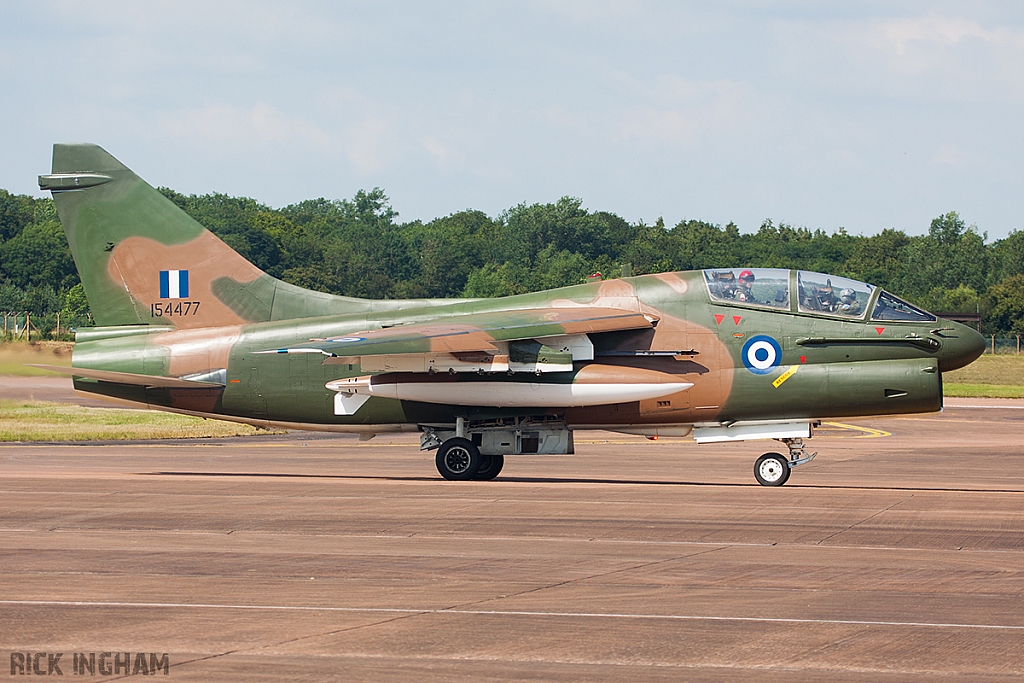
476	331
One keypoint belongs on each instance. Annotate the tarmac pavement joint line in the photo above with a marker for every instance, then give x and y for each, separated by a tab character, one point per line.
514	613
869	517
332	632
461	609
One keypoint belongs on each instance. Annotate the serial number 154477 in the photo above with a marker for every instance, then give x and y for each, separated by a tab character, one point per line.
172	309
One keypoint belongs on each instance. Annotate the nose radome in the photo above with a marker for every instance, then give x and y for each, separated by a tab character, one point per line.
961	346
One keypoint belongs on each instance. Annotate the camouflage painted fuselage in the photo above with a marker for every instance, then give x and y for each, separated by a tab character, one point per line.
831	380
186	324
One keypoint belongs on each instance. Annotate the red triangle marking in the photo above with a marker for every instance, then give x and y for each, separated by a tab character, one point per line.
803	359
879	330
719	318
737	318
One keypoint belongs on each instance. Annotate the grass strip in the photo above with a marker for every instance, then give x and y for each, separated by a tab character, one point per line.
15	355
1001	370
982	390
41	421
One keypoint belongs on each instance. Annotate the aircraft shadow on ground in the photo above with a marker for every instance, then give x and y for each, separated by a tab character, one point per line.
569	480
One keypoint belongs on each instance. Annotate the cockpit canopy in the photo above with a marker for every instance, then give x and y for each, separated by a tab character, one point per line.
817	293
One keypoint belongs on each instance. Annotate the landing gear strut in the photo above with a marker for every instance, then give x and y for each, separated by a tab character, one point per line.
772	469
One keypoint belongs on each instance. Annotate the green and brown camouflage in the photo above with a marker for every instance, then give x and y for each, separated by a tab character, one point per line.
651	354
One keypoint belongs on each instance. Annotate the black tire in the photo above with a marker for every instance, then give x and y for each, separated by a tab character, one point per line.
771	469
490	466
458	459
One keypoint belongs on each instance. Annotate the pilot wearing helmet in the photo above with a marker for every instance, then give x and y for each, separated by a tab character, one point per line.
848	304
743	288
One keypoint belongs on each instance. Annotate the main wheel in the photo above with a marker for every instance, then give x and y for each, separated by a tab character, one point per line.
490	465
458	459
771	469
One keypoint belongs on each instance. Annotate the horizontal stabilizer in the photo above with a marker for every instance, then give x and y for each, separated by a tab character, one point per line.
130	378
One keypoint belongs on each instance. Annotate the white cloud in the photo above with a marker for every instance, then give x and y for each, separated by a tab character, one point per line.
261	124
364	141
679	111
902	34
366	144
949	155
444	154
935	43
588	10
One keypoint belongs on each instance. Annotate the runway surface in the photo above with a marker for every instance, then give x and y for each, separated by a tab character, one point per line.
894	557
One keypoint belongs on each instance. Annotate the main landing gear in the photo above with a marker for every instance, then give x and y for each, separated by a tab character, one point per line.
772	469
475	450
459	459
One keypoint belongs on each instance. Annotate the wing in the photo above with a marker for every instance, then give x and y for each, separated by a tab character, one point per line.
476	332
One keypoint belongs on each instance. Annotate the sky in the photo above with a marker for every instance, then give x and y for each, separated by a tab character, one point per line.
866	115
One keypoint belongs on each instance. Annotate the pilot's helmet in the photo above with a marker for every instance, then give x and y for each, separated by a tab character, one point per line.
848	296
747	277
827	289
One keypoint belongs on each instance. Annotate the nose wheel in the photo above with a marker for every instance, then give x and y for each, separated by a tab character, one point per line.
773	469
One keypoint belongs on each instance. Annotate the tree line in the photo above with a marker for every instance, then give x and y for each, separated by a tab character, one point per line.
358	247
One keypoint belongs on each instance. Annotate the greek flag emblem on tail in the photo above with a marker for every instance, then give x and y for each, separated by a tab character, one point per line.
173	284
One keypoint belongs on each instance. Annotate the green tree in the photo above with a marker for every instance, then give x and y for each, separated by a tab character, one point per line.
493	280
75	310
16	211
38	255
878	259
950	255
1007	256
1004	306
960	299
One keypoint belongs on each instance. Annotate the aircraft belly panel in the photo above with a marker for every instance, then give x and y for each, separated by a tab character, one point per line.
825	390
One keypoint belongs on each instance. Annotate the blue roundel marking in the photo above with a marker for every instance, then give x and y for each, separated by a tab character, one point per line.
761	354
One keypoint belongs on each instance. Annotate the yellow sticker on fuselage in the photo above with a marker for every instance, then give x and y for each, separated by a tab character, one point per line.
786	375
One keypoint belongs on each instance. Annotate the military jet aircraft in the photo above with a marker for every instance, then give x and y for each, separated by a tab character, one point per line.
185	324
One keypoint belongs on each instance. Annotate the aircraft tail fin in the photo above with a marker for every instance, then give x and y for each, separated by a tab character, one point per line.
142	260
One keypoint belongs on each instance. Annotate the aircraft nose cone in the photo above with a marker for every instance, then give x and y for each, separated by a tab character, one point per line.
960	347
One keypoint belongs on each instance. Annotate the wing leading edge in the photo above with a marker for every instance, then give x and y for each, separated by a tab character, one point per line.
476	332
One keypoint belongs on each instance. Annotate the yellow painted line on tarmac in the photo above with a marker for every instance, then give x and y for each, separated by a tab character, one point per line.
937	417
866	432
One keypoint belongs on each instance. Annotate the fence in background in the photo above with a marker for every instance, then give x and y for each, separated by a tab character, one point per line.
28	327
1003	345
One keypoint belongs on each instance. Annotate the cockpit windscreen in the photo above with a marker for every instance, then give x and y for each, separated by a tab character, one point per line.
832	295
893	308
754	286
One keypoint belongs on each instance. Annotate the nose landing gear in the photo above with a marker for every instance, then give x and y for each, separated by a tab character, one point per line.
772	469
